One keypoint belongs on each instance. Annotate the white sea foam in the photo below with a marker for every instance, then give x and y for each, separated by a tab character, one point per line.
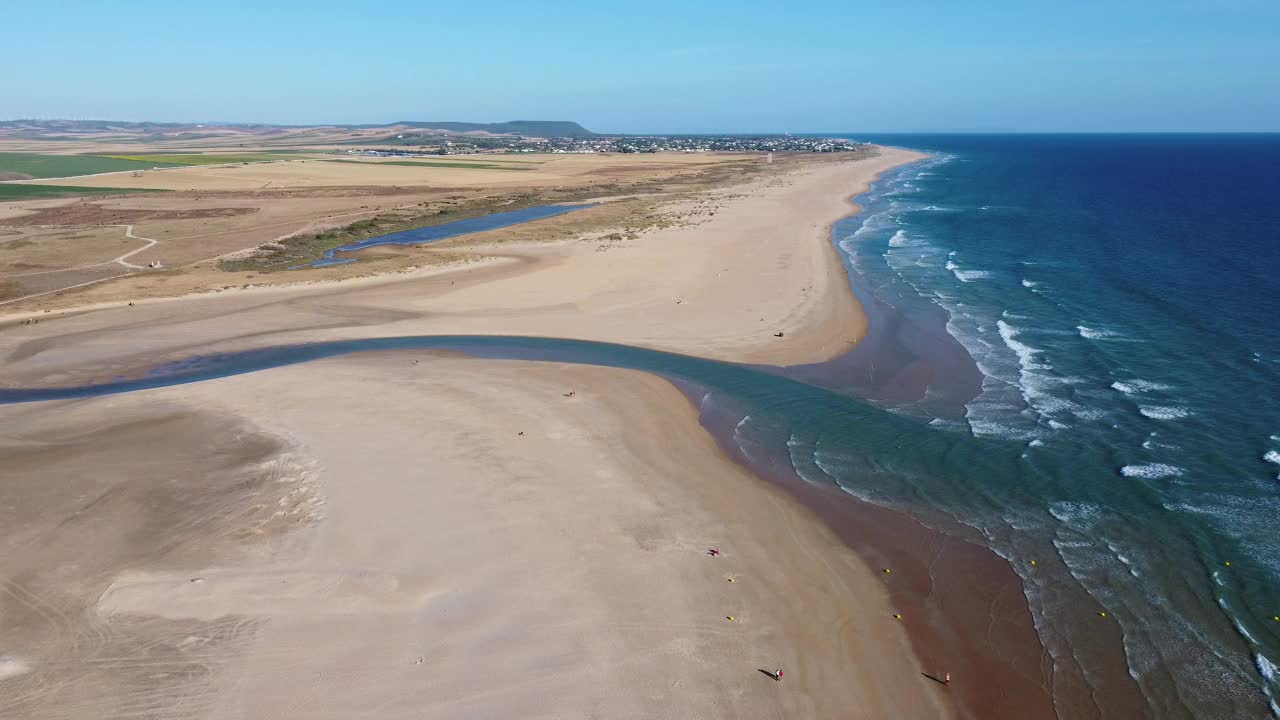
1080	516
1133	386
1002	408
899	239
1240	628
1151	471
1272	456
995	429
872	223
1028	357
1268	670
1029	283
1266	667
1163	412
966	275
1089	333
703	403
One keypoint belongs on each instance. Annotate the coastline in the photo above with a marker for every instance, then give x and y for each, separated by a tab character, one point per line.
813	323
962	606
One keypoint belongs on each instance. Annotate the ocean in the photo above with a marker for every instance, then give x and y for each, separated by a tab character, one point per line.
1118	295
1072	361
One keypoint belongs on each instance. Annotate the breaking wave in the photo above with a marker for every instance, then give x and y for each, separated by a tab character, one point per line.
1163	412
1151	471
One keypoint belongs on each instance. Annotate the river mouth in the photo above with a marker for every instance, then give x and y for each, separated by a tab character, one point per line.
786	431
431	233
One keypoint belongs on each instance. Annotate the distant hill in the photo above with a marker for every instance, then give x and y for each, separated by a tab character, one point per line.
527	128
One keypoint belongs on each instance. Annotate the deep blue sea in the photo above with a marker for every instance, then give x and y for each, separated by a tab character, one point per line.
1090	324
1121	296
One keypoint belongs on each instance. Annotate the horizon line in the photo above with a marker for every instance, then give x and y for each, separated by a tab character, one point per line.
940	131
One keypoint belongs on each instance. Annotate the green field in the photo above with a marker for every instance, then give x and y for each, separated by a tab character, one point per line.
471	165
195	159
14	191
40	165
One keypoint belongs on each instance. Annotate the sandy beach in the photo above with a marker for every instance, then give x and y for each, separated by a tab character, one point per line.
415	554
405	535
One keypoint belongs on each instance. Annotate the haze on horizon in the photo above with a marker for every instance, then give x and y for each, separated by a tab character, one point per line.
715	66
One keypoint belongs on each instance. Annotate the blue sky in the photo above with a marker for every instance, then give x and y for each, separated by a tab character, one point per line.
659	66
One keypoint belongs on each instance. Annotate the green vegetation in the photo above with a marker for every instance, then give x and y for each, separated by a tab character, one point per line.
432	163
305	249
196	158
41	165
21	166
14	191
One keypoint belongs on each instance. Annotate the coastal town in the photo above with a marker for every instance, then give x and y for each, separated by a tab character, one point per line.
435	144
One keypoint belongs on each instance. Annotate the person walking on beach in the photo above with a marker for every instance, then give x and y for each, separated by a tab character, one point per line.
946	679
777	674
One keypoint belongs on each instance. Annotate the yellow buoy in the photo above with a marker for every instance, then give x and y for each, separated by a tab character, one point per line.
897	616
729	618
1033	562
1276	618
1102	614
887	571
730	579
1227	563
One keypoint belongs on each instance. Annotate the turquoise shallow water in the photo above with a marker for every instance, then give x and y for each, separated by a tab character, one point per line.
1091	328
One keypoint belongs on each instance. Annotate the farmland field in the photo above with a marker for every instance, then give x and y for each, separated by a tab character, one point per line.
14	165
196	158
15	191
